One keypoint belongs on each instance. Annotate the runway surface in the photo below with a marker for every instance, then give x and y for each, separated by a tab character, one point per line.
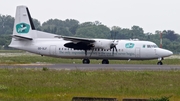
95	66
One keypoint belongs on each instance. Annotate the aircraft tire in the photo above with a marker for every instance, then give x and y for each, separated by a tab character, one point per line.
160	63
105	61
86	61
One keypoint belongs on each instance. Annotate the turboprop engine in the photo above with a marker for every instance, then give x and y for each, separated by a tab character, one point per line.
105	44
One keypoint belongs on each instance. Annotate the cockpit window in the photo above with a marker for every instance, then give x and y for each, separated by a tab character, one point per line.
152	46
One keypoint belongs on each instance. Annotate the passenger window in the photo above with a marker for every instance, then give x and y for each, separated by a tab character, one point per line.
144	46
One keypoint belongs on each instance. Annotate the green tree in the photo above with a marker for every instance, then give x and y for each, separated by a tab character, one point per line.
6	24
171	35
137	33
93	30
37	24
67	27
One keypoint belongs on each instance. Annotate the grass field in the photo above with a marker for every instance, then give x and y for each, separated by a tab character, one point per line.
59	85
20	84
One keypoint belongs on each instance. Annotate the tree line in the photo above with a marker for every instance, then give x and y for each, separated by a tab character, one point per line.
72	27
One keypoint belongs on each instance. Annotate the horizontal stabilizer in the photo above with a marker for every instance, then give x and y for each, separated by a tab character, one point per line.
21	37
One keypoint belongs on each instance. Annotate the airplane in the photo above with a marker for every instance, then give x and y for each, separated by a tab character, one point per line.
26	37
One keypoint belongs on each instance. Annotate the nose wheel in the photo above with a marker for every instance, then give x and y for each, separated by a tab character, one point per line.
159	63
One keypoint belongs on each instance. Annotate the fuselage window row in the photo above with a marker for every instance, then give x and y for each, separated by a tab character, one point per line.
94	49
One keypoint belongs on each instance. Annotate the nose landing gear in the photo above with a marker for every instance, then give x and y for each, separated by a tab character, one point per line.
160	61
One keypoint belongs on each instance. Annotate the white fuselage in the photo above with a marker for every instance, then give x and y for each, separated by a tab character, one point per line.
26	37
142	50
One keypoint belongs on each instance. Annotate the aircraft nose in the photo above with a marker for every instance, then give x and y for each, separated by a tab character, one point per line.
170	53
165	53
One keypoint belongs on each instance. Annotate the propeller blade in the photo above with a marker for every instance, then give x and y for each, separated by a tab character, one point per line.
85	53
116	48
113	51
92	52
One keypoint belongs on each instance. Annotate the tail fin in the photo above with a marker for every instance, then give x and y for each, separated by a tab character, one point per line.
23	24
24	30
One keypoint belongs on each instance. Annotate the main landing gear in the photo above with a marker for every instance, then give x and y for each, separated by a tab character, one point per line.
87	61
105	61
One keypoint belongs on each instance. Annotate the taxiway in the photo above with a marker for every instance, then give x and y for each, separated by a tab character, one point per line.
123	67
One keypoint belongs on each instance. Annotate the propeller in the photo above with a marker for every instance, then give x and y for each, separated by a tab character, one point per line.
92	51
114	42
113	45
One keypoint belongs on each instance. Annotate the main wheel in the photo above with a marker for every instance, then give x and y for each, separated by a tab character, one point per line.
105	61
86	61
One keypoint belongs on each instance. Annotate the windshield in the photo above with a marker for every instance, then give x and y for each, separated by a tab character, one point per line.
152	46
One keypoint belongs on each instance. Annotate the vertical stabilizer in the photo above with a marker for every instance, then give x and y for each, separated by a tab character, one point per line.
23	24
24	31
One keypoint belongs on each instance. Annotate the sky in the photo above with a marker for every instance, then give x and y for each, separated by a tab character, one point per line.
151	15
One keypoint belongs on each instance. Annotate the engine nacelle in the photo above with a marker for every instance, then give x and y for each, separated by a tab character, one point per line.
103	43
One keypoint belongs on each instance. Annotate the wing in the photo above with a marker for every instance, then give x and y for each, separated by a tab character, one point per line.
78	43
87	44
76	39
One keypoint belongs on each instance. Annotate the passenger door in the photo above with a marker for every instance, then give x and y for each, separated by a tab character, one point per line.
52	50
137	52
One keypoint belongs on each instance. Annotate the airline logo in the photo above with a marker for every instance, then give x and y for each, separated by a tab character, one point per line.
129	45
22	28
